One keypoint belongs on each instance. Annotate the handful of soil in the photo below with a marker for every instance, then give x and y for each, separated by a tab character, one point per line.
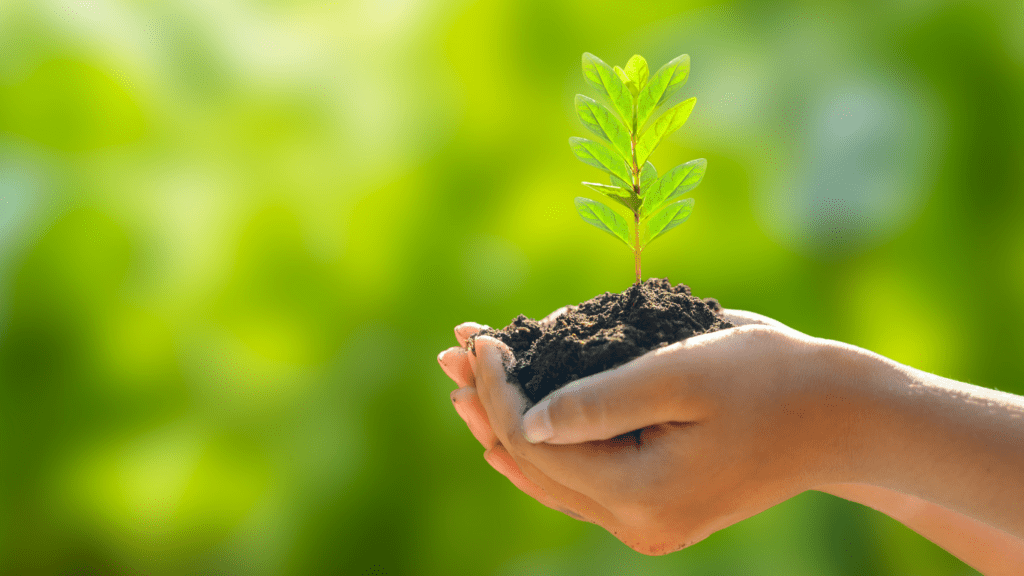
602	333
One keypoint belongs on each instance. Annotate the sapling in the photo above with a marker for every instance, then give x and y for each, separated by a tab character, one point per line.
629	135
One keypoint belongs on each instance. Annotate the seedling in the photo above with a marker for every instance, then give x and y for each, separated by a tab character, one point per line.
630	134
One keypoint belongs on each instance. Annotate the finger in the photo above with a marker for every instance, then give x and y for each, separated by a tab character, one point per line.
550	318
488	363
499	459
587	473
638	394
455	364
466	329
743	317
467	404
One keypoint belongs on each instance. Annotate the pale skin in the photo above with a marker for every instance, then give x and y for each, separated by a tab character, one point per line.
737	421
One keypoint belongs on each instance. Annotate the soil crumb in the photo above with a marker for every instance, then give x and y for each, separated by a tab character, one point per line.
602	333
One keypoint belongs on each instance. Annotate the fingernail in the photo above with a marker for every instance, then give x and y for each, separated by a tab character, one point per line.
459	411
491	460
537	423
499	464
440	357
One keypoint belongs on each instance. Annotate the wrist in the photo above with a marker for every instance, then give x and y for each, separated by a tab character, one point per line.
898	506
837	381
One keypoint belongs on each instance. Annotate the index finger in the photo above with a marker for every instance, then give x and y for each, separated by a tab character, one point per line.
743	318
571	466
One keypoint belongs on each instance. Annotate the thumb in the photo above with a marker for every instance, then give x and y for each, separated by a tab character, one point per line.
640	393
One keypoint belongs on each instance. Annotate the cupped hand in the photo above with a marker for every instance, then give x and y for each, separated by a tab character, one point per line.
727	428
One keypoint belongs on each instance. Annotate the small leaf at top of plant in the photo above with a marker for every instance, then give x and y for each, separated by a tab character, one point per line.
673	215
601	76
668	123
599	156
625	80
648	175
636	70
603	123
603	217
665	82
673	184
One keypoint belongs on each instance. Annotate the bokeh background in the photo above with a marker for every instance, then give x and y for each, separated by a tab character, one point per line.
235	235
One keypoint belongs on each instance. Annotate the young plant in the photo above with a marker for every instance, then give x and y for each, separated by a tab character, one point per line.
629	135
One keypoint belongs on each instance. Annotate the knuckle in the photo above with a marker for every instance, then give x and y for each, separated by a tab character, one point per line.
581	406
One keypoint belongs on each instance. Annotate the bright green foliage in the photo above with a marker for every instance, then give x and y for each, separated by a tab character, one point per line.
602	77
672	216
650	202
648	176
617	193
602	122
666	81
670	122
673	184
633	89
599	156
603	217
636	70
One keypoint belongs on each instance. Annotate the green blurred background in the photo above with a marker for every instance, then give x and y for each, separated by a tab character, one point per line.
235	235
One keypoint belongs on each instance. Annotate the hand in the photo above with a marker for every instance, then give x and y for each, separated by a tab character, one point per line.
455	362
707	456
985	548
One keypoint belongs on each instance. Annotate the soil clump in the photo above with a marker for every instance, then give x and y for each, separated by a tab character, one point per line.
602	333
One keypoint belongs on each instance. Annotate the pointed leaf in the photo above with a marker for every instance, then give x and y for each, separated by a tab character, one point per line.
625	80
637	71
616	193
602	122
673	215
665	82
602	77
608	190
668	123
648	175
673	184
603	217
624	184
621	74
599	156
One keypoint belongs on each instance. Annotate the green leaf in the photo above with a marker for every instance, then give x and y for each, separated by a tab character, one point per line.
602	77
673	215
673	184
668	123
625	80
648	175
608	190
624	184
616	193
603	123
665	82
636	70
603	217
599	156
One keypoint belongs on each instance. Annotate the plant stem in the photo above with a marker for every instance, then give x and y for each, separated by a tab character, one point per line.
636	248
636	192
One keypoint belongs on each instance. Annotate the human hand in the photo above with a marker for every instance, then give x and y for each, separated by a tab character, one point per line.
455	362
721	437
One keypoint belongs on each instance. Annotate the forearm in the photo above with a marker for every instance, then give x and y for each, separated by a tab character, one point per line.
953	444
982	547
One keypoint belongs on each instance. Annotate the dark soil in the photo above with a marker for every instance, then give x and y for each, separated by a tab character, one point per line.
602	333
